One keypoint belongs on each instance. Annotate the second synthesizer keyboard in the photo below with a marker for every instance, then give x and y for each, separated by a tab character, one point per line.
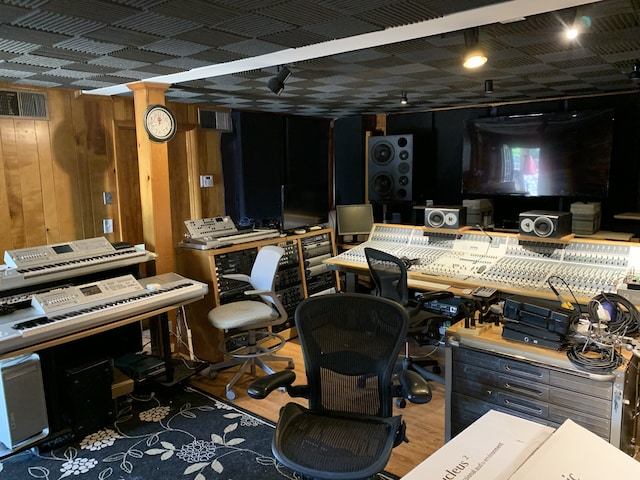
67	310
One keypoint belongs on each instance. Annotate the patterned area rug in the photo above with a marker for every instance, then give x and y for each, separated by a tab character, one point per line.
174	434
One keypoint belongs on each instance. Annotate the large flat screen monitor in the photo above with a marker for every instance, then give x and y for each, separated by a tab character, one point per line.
354	219
549	154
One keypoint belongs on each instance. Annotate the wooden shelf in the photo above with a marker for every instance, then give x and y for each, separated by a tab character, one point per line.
533	238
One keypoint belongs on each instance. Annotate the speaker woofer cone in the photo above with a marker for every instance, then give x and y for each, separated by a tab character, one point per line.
383	153
543	226
435	218
382	184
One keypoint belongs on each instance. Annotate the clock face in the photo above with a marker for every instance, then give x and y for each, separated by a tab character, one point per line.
159	123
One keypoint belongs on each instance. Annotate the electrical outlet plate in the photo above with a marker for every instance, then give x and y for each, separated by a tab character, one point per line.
206	181
107	225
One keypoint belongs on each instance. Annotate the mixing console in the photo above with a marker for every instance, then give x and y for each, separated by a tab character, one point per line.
585	268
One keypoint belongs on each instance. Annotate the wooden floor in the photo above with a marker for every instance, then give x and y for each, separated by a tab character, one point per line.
425	423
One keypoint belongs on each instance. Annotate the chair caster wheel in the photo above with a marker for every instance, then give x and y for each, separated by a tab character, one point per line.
291	365
401	403
231	395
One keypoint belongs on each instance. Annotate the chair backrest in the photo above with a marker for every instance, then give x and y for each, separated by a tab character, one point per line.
265	268
350	343
389	274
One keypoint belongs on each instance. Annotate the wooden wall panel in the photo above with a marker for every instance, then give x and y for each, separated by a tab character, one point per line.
13	186
65	172
49	207
6	127
30	186
126	198
53	172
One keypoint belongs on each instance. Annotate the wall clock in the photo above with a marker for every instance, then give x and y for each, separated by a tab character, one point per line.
160	123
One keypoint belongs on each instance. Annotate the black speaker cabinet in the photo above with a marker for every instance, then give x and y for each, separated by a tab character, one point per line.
545	224
391	168
89	400
445	217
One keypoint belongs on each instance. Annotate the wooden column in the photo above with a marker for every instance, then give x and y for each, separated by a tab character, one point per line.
153	165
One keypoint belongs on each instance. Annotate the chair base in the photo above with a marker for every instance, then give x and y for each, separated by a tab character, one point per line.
249	354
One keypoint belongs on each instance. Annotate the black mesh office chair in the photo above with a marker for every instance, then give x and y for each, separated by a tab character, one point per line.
389	275
350	343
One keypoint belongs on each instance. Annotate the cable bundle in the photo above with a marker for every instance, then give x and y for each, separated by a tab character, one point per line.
625	319
594	358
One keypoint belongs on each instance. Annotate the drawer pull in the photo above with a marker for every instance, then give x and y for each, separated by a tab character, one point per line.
519	406
528	373
523	390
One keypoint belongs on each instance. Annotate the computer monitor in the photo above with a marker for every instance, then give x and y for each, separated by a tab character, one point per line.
354	219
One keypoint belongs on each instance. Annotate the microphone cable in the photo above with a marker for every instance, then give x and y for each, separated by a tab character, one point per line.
625	318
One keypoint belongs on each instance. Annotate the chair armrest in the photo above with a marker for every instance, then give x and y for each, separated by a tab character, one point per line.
263	386
414	388
282	313
241	277
269	293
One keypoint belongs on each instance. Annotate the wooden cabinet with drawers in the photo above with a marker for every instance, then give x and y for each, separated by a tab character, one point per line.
301	274
486	372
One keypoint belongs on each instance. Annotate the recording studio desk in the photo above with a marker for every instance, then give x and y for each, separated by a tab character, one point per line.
484	372
464	259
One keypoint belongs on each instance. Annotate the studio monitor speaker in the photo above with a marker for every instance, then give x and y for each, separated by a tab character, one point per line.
445	217
545	224
391	168
23	410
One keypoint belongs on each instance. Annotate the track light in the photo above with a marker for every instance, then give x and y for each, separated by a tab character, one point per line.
276	84
634	76
474	54
581	24
488	86
404	99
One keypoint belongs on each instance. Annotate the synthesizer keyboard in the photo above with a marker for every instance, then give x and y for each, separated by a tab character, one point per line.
34	265
210	242
68	310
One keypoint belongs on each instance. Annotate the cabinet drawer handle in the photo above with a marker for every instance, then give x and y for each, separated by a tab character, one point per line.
522	407
509	368
525	390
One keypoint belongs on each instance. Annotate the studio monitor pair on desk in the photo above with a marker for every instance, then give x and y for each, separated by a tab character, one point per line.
545	224
391	168
445	217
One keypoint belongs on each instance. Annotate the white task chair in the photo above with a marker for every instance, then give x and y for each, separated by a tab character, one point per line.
251	343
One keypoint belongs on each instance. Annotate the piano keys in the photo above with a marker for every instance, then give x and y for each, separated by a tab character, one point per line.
49	263
63	311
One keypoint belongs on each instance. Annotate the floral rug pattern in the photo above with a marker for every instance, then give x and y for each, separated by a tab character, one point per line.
184	435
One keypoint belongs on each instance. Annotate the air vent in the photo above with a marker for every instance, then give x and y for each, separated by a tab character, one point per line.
214	120
18	103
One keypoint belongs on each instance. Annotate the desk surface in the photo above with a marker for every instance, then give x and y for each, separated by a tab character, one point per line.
628	216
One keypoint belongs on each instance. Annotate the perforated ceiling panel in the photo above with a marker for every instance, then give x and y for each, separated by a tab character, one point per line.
91	44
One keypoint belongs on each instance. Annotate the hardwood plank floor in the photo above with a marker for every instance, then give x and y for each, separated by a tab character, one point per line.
425	423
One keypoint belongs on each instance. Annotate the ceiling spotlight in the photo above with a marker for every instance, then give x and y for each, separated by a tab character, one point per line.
581	24
634	75
276	84
404	99
474	54
488	86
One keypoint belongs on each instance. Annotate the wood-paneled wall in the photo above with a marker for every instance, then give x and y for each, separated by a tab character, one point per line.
53	172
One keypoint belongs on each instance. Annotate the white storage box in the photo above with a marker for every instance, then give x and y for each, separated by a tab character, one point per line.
479	212
585	217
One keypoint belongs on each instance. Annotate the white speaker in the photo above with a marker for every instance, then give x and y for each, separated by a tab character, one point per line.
545	224
23	410
445	217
